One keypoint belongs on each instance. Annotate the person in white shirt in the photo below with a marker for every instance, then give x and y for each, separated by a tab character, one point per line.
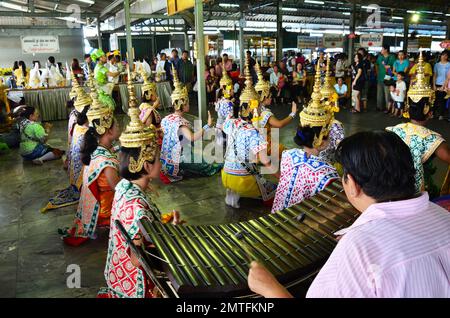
398	94
112	66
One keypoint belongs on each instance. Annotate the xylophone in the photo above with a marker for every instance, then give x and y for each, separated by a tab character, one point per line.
212	260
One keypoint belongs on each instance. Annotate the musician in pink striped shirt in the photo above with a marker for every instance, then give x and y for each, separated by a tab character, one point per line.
398	247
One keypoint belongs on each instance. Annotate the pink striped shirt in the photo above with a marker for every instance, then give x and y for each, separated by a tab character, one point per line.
394	249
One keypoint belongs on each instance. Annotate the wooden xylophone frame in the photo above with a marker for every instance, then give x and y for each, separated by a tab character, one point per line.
212	260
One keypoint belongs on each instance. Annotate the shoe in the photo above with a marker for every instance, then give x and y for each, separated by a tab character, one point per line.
38	162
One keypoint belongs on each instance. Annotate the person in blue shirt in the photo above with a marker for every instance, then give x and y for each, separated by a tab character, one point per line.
401	64
342	91
441	70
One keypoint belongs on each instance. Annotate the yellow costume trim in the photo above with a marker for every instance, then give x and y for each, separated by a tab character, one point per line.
246	186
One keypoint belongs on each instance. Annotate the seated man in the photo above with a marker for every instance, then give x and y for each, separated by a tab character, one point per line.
342	91
398	247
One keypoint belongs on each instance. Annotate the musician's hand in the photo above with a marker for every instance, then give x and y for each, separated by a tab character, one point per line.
262	282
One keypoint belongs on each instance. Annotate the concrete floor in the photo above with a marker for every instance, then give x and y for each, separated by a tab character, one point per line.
33	259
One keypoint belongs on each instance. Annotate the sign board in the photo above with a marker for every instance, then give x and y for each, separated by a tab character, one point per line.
331	41
372	39
308	42
36	44
175	6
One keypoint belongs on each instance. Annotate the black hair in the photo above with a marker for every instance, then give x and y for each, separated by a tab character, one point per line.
380	163
90	143
305	135
16	65
445	52
225	54
219	59
402	74
175	50
27	111
416	109
23	67
187	52
51	59
125	155
163	54
81	117
110	57
86	56
386	47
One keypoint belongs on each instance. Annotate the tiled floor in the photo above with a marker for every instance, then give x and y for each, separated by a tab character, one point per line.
33	259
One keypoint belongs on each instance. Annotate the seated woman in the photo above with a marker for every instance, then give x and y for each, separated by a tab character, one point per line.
266	119
178	135
299	84
245	148
303	171
71	194
399	245
423	142
139	165
150	104
33	137
224	106
100	175
336	128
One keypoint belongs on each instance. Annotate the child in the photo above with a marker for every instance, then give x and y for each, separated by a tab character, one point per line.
398	95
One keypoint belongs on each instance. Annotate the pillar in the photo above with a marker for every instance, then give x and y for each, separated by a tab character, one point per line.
200	40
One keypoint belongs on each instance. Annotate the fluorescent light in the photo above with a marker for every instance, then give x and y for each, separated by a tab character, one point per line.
372	7
346	13
314	2
13	6
289	9
436	21
411	11
397	18
87	1
447	14
228	5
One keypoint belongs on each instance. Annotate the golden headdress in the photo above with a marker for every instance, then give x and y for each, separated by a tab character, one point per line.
82	98
263	86
99	111
148	86
248	93
327	89
225	80
137	135
73	91
180	94
316	114
420	89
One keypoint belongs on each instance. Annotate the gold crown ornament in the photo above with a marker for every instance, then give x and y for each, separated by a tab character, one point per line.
99	111
83	98
327	89
137	135
73	91
248	93
180	94
149	87
316	113
225	80
420	89
262	87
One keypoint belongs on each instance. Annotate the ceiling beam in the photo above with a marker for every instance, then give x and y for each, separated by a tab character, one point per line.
53	14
